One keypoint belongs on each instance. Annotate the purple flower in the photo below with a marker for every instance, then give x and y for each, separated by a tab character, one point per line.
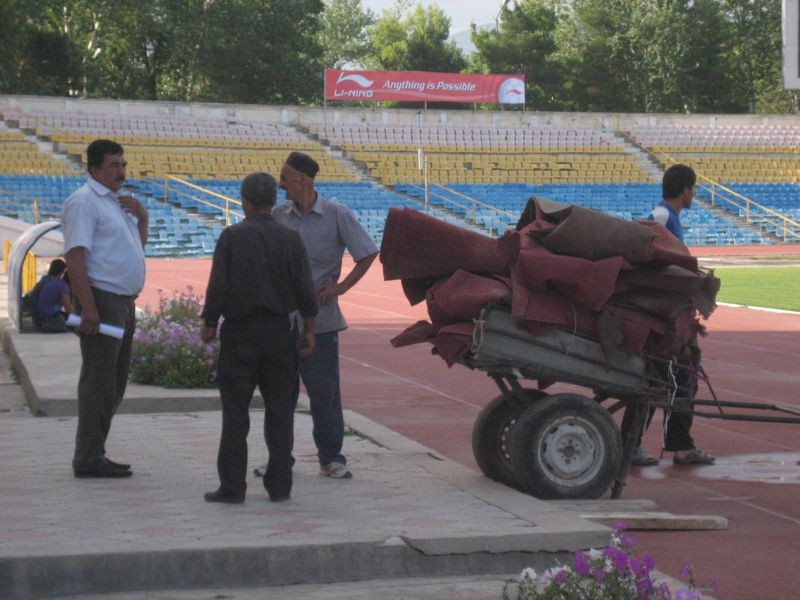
620	526
581	563
686	569
560	577
648	562
663	589
636	565
644	587
687	594
599	575
618	557
626	540
641	568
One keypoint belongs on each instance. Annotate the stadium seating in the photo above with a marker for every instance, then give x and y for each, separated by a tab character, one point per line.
627	201
758	162
17	155
173	230
470	154
479	175
156	146
728	154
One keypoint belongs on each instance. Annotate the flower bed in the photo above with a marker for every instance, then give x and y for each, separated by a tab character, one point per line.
167	349
612	573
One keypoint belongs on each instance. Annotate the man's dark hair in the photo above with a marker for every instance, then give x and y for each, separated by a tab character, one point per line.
260	190
57	267
303	163
676	179
97	151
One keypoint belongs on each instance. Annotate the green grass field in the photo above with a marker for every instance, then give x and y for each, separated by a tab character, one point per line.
768	287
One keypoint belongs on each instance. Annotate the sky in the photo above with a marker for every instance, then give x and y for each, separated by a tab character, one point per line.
461	12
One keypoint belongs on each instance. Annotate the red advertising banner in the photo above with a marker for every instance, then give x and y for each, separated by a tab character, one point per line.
419	86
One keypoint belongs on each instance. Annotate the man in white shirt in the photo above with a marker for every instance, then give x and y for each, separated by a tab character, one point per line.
104	238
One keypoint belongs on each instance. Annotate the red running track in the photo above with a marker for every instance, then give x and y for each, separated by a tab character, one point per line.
750	355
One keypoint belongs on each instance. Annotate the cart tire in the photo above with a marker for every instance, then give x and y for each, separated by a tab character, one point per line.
491	435
565	446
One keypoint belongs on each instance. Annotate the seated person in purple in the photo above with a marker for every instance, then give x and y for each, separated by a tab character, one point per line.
54	296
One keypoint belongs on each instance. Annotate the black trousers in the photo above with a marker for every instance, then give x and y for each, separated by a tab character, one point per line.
258	351
103	378
678	425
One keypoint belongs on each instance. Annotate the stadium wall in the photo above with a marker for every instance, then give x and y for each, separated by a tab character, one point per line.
302	115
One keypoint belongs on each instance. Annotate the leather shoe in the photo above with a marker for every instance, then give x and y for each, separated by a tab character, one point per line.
224	497
279	497
104	470
122	466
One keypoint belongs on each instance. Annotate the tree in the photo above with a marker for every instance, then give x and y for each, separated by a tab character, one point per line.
648	56
37	56
707	80
256	51
13	34
756	54
344	36
415	42
524	42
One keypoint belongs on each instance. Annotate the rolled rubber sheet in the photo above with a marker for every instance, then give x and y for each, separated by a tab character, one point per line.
631	285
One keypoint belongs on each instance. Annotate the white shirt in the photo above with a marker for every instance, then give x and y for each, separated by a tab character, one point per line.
93	218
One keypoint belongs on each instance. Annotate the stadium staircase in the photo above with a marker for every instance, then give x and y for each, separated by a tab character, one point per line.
643	157
359	169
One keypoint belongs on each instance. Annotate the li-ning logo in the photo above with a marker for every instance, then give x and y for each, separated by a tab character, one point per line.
512	91
355	77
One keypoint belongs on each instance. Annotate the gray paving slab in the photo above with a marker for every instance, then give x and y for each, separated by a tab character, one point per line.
407	512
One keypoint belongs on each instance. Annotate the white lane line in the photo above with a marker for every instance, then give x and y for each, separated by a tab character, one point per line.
761	308
412	382
715	494
355	305
705	423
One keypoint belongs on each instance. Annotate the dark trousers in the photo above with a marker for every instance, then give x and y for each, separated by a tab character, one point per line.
103	378
256	351
320	375
677	437
678	426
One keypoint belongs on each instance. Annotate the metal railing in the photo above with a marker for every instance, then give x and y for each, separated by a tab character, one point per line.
470	208
226	210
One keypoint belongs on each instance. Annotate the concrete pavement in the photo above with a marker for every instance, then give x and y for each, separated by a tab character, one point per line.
408	513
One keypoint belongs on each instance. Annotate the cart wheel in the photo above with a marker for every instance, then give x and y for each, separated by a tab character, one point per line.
491	435
565	446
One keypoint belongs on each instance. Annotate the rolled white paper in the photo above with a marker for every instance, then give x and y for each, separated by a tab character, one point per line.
110	330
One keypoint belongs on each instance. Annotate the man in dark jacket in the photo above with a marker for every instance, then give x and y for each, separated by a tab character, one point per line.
259	275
